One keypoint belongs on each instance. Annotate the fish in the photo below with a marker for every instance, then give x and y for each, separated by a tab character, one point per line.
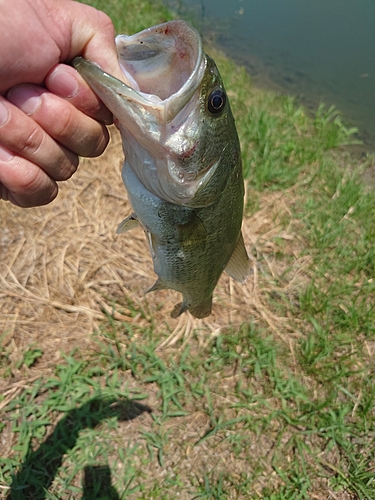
182	168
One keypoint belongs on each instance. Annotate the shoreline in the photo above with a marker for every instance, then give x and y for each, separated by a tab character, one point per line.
298	86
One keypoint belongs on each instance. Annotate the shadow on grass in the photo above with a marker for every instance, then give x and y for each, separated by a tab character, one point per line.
40	466
97	483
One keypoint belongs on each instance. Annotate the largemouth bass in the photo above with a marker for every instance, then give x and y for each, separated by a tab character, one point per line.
182	168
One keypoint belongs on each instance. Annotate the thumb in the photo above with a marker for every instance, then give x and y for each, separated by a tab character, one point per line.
93	37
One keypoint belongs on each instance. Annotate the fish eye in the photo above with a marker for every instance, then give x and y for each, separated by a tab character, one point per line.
216	101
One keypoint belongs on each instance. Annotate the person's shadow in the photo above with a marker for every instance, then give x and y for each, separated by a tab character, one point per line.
97	484
40	466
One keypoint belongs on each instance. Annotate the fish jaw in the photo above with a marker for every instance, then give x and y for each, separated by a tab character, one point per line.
162	133
165	63
156	111
149	60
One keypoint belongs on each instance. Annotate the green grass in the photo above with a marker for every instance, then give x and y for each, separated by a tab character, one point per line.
133	15
254	409
244	414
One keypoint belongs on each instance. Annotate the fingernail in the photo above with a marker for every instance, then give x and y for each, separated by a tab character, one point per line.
5	154
4	114
26	98
63	83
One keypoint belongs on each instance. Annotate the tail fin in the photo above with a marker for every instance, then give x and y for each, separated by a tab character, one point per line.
202	310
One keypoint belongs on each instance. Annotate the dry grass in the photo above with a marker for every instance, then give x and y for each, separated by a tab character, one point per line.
285	406
64	273
63	268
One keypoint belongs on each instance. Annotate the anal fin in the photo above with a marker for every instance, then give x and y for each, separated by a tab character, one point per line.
178	309
238	266
128	224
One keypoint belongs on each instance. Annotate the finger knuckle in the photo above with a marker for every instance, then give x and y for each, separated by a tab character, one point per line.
29	186
64	169
30	180
98	143
31	143
85	138
66	125
106	23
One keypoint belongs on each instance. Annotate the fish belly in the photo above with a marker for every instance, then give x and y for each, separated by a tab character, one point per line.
178	245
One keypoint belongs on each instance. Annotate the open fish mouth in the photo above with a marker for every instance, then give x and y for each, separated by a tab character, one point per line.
162	68
157	105
164	65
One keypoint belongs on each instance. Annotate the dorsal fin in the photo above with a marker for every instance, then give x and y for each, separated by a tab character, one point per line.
238	266
127	224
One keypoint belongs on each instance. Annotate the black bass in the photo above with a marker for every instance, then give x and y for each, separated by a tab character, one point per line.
182	167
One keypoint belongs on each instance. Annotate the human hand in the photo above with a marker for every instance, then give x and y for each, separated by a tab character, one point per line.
48	114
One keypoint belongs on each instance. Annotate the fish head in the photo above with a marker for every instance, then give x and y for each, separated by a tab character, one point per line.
172	112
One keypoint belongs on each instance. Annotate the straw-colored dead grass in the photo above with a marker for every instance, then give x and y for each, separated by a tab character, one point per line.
63	268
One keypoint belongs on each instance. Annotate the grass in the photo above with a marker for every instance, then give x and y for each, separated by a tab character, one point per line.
278	407
230	400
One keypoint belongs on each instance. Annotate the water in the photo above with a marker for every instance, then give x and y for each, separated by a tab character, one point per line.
318	50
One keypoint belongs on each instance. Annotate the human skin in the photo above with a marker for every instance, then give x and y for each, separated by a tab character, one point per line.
48	114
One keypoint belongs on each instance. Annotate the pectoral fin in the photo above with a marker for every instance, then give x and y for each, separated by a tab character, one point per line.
127	224
238	266
193	234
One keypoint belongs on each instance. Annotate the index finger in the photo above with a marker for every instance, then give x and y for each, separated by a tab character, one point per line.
66	82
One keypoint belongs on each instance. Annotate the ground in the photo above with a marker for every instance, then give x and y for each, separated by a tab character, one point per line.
105	396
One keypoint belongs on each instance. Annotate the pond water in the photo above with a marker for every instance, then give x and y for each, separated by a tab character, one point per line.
317	50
